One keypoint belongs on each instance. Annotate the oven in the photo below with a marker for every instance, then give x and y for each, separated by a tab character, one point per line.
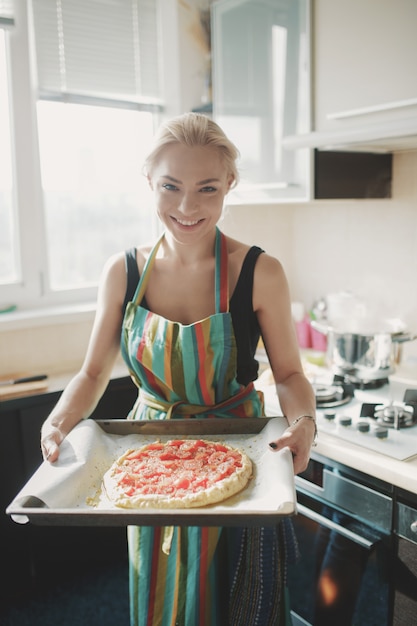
342	575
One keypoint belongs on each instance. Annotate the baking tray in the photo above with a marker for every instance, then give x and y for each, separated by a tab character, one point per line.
61	493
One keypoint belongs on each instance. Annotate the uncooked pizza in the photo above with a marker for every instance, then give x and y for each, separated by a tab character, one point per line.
181	473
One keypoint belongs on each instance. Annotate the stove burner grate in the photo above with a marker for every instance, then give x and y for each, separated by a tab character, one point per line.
333	395
358	383
396	415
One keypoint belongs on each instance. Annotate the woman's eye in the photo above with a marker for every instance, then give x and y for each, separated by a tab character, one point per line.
208	189
169	187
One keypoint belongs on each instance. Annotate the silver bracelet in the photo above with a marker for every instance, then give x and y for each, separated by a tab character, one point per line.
308	417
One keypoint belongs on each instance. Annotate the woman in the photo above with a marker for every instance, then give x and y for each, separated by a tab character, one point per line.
191	355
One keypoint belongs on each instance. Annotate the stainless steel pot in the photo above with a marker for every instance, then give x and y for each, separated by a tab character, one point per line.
366	356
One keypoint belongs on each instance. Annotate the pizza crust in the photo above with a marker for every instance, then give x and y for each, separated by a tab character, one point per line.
222	471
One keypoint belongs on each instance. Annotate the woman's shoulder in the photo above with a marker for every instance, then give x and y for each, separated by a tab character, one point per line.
117	262
265	263
236	250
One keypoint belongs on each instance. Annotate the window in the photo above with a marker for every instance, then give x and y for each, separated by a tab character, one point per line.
94	197
71	188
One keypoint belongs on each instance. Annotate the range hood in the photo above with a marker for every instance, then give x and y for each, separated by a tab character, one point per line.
388	136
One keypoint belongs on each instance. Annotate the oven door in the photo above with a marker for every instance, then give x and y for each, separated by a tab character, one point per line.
342	575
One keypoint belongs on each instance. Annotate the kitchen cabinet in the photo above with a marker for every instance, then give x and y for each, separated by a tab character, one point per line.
30	553
261	92
261	98
365	81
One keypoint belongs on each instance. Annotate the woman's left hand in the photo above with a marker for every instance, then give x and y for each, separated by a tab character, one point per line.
299	438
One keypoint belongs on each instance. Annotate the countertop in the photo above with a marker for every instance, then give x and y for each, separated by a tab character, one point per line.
399	473
54	383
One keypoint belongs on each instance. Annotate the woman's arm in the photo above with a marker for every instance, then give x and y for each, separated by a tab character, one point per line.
83	392
271	300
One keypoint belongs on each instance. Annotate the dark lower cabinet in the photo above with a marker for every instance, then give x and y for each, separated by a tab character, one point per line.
34	556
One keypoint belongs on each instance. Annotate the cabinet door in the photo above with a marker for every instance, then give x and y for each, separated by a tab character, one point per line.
364	62
405	565
405	603
261	91
14	539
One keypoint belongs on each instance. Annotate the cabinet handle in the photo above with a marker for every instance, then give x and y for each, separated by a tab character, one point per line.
388	106
413	527
327	523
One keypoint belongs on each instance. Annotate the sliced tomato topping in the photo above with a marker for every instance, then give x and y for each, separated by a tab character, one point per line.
202	484
182	483
168	456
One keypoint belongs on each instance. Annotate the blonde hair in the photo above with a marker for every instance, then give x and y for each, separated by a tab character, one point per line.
194	129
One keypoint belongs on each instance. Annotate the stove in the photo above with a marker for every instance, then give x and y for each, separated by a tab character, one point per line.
381	416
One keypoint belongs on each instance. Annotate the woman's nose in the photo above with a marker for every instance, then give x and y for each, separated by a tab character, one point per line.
189	204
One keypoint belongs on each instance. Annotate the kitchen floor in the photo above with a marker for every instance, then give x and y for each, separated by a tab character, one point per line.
72	577
97	597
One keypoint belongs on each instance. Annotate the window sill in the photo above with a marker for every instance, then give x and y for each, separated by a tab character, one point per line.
17	320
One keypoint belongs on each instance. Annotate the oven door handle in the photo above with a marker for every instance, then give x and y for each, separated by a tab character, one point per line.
325	521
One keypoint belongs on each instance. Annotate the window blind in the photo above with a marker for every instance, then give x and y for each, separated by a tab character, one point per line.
100	49
6	13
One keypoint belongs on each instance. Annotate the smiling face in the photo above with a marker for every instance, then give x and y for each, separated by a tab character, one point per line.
189	185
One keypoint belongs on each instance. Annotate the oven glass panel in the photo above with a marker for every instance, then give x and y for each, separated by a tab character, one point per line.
337	581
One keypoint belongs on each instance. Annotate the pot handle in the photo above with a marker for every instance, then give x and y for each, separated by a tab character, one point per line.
320	327
403	337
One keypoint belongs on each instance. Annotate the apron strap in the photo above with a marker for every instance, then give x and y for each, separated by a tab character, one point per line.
221	274
144	279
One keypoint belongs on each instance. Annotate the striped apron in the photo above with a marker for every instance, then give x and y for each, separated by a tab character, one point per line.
188	576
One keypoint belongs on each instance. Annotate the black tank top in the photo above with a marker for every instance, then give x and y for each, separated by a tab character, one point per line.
245	322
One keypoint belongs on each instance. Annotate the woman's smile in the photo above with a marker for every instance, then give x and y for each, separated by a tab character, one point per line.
187	223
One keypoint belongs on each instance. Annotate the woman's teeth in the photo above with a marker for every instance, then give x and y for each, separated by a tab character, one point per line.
187	223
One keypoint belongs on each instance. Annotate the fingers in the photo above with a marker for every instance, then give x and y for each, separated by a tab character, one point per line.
300	453
283	442
50	451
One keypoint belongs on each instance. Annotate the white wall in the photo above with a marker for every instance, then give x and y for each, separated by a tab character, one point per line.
368	247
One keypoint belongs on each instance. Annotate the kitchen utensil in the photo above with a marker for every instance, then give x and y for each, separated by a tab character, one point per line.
23	379
364	355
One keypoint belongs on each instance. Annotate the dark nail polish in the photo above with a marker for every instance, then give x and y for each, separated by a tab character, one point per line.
273	445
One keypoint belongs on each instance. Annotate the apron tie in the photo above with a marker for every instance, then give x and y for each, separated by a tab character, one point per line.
184	409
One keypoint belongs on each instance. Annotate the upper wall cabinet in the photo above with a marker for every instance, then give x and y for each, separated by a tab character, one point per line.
365	78
261	92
